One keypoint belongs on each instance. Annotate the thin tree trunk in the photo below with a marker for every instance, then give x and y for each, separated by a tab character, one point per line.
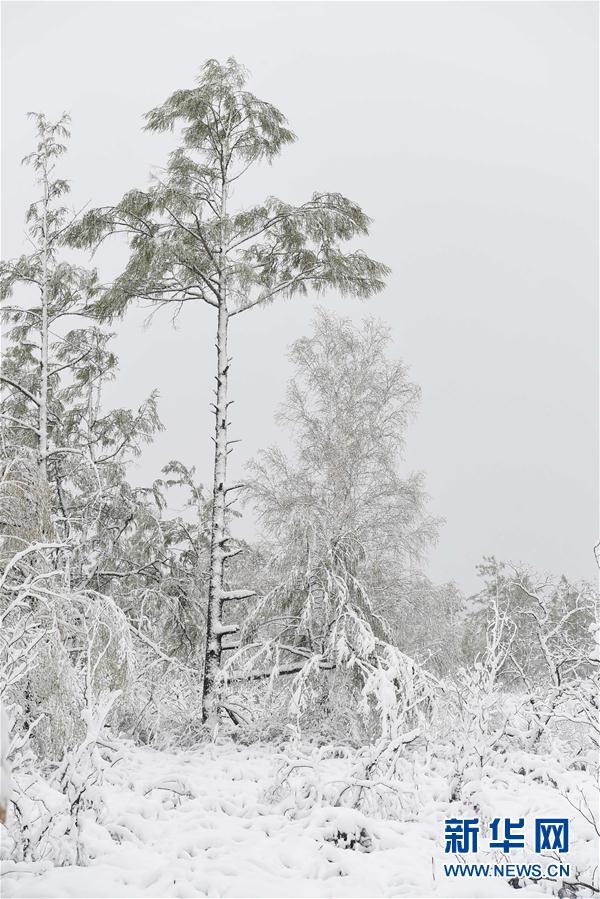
219	552
45	520
218	537
43	407
214	624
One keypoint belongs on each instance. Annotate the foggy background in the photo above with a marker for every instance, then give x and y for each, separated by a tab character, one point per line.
469	132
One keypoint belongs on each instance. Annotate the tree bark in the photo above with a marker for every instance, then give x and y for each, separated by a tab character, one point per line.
214	624
218	539
219	552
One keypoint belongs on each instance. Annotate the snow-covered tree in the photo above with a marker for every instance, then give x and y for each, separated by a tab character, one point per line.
54	289
345	528
347	410
53	373
552	659
189	244
70	521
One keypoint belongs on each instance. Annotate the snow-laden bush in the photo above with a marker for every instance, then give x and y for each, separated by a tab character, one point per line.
163	704
54	807
58	650
318	656
396	704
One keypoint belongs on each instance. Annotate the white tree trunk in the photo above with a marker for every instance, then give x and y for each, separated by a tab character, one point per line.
45	525
219	551
43	407
214	624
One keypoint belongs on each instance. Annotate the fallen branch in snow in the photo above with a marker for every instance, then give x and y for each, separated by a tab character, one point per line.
294	669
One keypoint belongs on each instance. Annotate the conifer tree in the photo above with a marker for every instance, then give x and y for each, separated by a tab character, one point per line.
188	244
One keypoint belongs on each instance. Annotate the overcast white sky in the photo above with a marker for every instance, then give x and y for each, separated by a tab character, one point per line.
469	132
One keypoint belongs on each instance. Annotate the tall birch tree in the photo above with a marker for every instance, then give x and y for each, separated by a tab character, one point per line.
345	530
53	373
72	529
44	222
188	244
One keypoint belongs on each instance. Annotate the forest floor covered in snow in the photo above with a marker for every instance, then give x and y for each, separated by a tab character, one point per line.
222	820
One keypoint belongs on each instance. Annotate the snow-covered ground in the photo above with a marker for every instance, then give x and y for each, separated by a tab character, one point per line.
208	823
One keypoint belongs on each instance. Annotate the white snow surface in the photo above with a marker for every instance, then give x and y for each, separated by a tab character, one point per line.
206	822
